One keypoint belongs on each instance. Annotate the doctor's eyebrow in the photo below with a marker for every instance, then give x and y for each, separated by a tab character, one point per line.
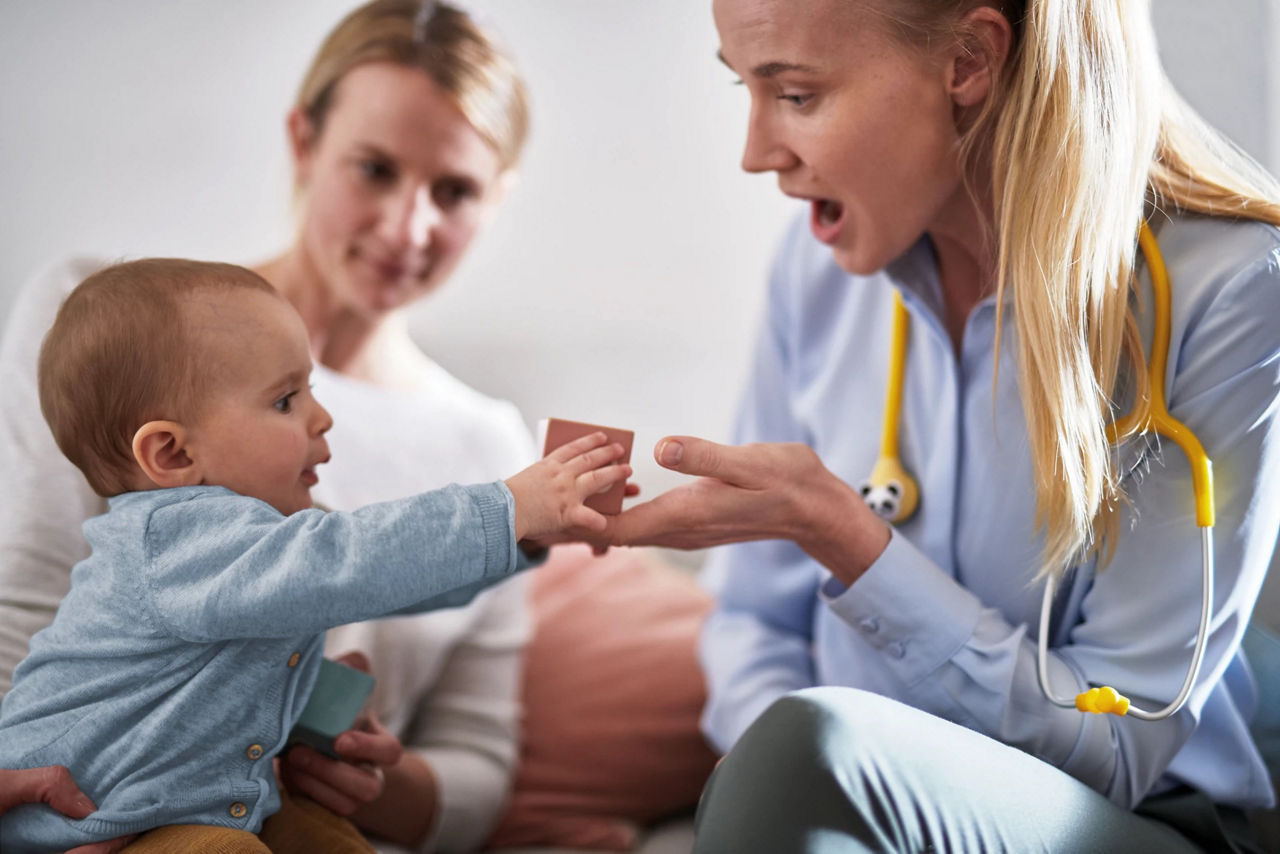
772	69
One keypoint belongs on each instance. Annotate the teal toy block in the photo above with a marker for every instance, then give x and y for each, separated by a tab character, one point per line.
335	702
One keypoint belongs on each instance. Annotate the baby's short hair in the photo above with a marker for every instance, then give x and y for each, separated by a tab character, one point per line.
120	354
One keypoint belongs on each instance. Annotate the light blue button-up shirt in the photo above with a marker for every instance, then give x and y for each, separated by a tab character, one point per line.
946	619
191	639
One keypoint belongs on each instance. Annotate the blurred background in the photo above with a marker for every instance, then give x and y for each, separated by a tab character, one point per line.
622	282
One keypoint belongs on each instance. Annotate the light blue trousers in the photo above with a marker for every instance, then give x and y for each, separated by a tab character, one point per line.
835	770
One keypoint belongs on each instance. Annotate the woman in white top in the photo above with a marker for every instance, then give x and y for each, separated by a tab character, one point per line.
405	133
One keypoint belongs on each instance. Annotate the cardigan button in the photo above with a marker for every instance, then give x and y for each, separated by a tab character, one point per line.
238	810
897	649
254	751
294	659
870	625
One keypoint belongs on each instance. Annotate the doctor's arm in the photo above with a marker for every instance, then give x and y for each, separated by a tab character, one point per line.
964	661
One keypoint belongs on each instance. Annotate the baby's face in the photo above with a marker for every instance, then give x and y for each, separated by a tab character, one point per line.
261	432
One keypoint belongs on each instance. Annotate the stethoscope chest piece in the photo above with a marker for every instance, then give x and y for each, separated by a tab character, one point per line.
890	492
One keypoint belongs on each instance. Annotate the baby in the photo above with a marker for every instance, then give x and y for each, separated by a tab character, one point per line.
191	637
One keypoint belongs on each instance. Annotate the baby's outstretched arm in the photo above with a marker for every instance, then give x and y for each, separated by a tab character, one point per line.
549	494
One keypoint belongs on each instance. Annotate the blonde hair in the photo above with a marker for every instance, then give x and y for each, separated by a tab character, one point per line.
119	355
441	42
1082	114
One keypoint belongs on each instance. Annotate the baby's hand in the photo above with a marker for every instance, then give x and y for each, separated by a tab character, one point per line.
549	494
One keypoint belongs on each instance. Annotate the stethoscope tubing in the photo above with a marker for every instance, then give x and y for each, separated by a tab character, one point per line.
1197	656
1150	413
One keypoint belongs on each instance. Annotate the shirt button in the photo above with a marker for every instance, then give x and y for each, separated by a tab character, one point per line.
870	625
238	810
294	659
897	649
254	751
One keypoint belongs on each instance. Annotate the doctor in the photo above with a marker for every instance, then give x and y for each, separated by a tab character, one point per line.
990	163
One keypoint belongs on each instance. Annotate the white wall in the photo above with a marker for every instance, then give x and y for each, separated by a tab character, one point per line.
622	282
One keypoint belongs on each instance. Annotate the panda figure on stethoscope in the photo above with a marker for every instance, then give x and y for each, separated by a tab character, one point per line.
890	492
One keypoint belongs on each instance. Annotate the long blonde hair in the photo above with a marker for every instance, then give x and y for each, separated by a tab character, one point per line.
1083	114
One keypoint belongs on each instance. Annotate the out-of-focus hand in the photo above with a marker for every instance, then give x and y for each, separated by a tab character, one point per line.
345	785
549	494
755	492
53	785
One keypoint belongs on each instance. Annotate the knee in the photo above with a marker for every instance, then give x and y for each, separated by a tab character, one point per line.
818	718
795	772
813	731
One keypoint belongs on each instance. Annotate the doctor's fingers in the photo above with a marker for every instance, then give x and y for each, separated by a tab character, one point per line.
703	513
762	465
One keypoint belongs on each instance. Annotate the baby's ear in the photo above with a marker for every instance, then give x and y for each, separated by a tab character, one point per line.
160	449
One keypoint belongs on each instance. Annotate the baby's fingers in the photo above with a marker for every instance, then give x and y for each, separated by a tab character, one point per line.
578	446
595	458
600	479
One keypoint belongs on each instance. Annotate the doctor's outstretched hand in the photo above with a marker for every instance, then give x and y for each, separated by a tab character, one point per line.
767	491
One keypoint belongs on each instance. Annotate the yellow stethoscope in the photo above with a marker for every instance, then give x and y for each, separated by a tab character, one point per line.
893	494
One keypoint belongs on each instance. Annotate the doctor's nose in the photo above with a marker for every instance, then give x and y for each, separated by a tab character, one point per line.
763	151
411	218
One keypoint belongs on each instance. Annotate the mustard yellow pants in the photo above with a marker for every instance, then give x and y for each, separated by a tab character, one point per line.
301	827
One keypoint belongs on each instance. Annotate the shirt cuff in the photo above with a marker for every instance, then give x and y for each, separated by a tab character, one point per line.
497	508
470	792
906	607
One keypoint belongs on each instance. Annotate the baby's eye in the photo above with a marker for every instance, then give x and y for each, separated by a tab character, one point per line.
285	404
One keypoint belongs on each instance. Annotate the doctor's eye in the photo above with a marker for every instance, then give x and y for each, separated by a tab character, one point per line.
794	99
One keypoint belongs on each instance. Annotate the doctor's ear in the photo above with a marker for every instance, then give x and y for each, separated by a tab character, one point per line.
160	448
984	40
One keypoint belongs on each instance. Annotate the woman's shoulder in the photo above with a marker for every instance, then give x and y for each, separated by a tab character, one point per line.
41	294
56	280
446	410
1224	278
1211	257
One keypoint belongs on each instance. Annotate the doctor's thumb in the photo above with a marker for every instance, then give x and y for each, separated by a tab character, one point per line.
669	452
688	455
